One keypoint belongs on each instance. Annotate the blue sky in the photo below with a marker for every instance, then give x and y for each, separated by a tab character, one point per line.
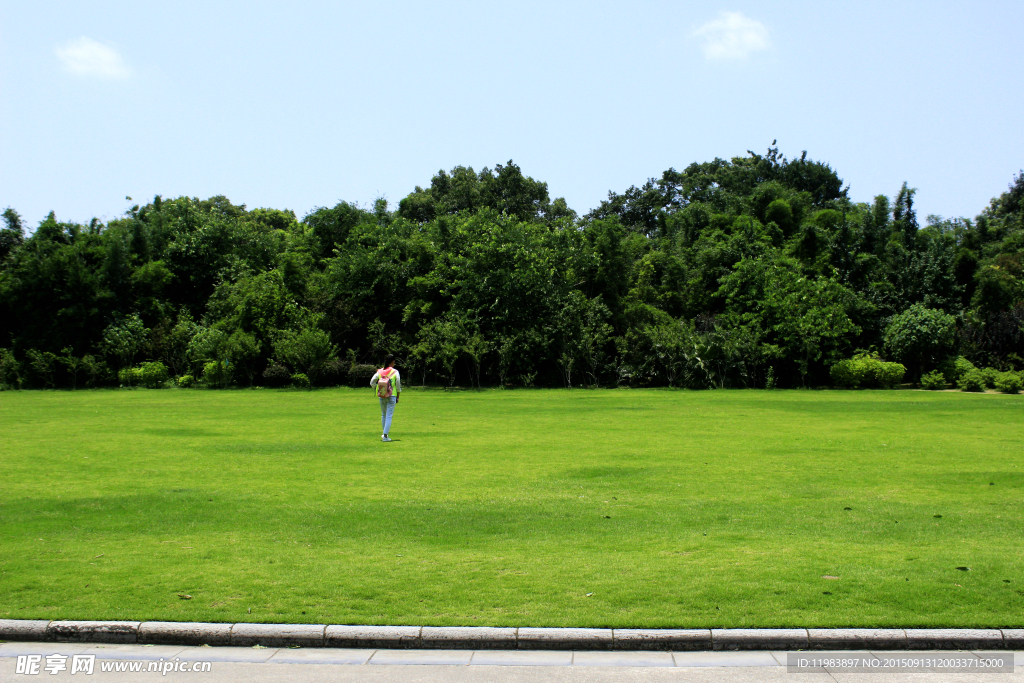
301	104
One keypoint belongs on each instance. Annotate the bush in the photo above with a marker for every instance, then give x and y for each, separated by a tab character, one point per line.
990	375
10	369
954	368
333	373
185	381
216	374
933	381
866	370
300	381
41	366
276	375
359	375
888	375
153	374
97	372
1009	382
972	380
847	374
129	376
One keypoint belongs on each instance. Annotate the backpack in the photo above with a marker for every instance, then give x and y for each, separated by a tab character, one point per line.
384	388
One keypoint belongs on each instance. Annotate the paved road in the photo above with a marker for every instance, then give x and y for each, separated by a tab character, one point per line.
266	665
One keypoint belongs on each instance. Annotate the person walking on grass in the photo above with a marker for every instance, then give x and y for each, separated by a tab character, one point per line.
388	385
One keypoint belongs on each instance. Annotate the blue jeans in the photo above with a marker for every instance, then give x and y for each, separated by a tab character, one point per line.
387	411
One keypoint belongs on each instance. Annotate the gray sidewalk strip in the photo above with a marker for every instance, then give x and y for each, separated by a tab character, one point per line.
321	655
503	638
626	658
633	659
248	655
420	657
522	658
133	651
702	659
18	648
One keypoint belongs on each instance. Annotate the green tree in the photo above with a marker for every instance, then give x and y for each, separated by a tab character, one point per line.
43	364
12	235
920	338
124	339
243	350
442	341
307	349
475	346
72	363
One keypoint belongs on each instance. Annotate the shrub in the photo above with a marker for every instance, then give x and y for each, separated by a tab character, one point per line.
276	375
216	374
990	375
359	375
868	371
972	380
185	381
1009	382
129	376
153	374
97	371
954	368
847	374
42	365
933	381
300	381
888	375
333	372
10	369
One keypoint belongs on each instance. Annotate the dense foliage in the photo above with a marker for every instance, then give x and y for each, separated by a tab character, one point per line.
758	271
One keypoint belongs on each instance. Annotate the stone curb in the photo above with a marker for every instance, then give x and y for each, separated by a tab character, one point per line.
950	639
278	635
759	639
93	631
23	629
565	639
383	637
468	638
490	638
857	639
184	633
661	639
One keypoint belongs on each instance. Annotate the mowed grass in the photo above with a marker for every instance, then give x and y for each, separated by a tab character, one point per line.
533	508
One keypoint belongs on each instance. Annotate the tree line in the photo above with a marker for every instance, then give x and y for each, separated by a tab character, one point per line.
750	272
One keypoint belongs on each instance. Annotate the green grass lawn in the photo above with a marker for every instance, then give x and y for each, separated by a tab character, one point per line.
533	508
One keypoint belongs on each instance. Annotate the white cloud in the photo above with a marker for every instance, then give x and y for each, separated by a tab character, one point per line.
732	36
86	57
